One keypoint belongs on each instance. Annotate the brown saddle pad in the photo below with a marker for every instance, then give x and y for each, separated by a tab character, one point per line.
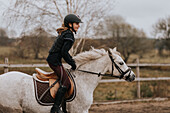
45	96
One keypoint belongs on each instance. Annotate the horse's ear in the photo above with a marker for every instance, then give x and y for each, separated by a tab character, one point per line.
92	47
109	51
115	49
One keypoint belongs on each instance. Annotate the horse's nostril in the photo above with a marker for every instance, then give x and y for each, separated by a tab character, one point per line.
133	76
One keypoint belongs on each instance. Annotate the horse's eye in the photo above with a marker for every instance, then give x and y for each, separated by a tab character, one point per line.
121	63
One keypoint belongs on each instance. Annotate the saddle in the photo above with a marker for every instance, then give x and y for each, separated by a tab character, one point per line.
45	76
45	93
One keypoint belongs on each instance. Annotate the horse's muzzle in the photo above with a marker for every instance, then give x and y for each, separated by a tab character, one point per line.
131	78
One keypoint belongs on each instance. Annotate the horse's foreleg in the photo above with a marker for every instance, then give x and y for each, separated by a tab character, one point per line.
85	111
64	107
9	110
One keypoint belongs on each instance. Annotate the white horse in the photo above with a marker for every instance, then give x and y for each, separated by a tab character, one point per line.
17	90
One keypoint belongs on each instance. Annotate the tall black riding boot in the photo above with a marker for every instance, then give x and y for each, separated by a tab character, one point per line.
58	99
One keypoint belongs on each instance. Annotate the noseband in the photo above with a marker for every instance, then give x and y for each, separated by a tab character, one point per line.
111	75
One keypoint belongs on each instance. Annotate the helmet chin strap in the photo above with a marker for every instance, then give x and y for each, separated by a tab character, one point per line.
73	28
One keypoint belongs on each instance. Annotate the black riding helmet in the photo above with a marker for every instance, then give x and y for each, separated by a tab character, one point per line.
71	18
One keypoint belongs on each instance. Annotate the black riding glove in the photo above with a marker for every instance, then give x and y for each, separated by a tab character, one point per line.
73	67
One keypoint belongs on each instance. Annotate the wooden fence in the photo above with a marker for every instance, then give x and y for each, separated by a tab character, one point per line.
6	67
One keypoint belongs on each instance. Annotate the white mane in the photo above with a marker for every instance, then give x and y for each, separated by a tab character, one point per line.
86	56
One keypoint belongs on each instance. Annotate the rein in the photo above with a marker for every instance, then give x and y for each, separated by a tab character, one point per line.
111	75
99	74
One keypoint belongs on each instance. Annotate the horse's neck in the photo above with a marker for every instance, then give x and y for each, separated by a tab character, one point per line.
96	66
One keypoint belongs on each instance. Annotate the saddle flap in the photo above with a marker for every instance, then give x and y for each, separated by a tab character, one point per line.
54	89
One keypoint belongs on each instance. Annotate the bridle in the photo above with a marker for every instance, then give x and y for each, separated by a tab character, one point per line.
111	75
118	68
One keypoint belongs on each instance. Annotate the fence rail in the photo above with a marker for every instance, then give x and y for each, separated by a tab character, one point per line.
46	65
6	67
147	65
22	65
137	79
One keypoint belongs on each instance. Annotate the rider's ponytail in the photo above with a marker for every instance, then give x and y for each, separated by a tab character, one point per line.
61	29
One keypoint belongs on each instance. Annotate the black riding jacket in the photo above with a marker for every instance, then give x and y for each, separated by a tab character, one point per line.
60	49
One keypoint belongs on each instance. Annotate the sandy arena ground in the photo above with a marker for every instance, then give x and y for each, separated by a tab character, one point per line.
136	107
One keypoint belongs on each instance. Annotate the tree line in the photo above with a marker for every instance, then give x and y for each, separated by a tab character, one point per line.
4	39
114	31
128	40
162	34
37	22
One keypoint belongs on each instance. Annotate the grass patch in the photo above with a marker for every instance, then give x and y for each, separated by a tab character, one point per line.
6	51
144	72
113	91
126	90
150	57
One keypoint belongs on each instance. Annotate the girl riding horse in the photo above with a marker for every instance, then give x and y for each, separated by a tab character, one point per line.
59	50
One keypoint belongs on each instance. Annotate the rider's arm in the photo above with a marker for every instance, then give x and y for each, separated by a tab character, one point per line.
65	52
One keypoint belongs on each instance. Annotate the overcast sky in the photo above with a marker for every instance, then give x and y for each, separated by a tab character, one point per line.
143	13
140	13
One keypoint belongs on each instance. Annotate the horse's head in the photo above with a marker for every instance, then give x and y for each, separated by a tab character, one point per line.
119	67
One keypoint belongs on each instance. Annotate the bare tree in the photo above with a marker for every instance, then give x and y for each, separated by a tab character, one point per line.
110	26
116	26
28	14
33	43
161	30
126	37
3	37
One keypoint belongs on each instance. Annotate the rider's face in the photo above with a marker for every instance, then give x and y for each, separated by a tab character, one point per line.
76	26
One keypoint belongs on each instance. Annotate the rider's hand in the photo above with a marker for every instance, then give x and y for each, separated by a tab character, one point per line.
73	67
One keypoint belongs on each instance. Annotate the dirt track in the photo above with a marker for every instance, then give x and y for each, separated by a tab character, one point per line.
137	107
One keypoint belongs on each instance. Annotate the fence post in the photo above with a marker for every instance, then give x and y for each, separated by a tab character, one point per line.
6	67
115	94
138	76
